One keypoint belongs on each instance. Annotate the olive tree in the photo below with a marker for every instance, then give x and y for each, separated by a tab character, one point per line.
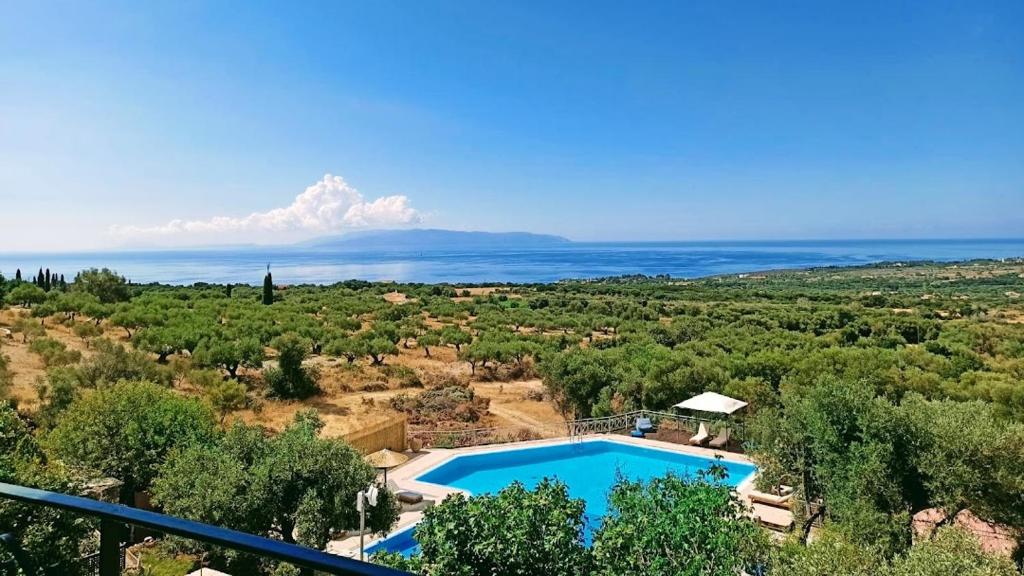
290	379
126	430
294	485
105	284
26	295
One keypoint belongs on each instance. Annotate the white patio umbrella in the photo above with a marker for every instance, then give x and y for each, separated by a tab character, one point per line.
712	402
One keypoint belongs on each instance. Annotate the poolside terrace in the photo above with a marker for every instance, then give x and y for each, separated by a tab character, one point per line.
405	477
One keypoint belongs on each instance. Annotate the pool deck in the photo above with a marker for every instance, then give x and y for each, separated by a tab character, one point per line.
405	475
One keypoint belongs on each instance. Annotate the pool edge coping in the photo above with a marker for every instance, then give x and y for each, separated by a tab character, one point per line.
407	474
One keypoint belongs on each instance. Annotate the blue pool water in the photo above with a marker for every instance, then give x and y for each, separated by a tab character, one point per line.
588	469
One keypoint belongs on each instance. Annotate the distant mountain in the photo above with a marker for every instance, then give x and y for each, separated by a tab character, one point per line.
430	239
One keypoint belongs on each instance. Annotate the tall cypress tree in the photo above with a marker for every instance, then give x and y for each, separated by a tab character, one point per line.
17	274
39	279
47	284
268	288
63	284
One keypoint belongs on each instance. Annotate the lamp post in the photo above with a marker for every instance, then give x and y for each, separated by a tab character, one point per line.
365	498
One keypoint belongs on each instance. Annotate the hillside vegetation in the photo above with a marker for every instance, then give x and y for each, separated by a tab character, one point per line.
876	391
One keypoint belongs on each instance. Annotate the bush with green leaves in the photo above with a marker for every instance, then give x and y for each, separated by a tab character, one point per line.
126	430
57	391
950	551
293	485
675	526
54	353
226	396
112	362
6	375
515	531
290	379
52	539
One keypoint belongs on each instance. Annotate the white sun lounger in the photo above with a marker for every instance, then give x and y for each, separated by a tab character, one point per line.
701	436
721	440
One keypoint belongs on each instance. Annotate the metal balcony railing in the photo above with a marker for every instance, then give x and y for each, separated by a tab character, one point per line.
114	517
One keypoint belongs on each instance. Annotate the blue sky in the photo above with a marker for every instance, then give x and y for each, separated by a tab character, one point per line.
142	123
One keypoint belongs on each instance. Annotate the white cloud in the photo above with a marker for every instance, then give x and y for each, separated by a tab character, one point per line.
329	206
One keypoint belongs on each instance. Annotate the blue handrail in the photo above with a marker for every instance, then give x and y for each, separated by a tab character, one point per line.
112	515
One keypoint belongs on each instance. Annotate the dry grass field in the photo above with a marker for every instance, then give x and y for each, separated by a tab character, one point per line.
353	395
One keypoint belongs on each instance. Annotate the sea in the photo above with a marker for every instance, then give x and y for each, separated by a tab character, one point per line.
575	260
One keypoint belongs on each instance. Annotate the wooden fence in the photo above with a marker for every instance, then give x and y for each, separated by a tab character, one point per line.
390	434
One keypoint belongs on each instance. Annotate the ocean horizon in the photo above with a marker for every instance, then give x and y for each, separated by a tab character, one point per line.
576	260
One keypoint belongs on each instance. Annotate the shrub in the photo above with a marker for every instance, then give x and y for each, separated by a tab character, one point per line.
126	430
87	330
453	403
516	531
290	379
444	378
113	362
406	377
6	376
690	526
54	352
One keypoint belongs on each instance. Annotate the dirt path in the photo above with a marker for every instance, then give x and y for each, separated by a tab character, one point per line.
511	407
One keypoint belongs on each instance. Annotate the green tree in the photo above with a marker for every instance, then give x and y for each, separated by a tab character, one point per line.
52	539
968	457
576	377
831	553
410	328
294	485
516	531
26	295
290	379
455	336
229	354
951	551
675	526
87	331
56	391
848	448
225	396
349	348
427	340
126	430
377	347
268	289
105	284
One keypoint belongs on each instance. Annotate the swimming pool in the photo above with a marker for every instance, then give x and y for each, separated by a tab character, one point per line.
589	469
